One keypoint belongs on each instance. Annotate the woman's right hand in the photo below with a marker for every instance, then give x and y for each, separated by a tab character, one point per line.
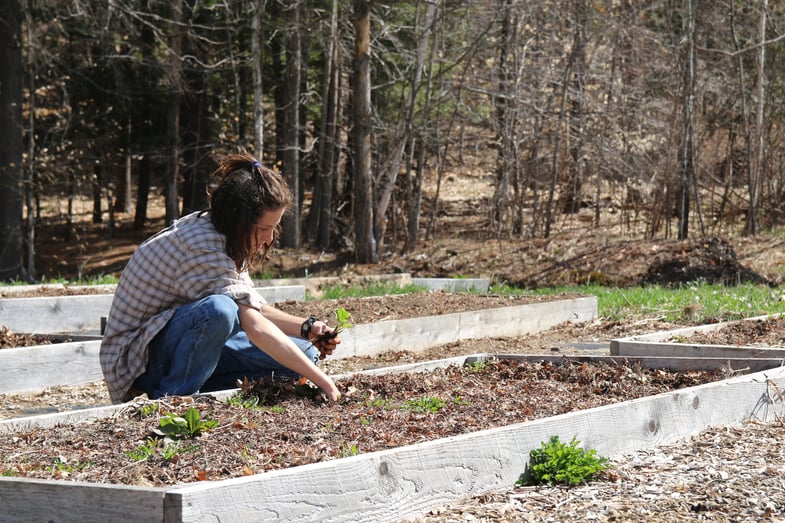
331	390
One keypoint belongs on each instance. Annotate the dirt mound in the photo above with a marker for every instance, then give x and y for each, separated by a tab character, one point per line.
712	260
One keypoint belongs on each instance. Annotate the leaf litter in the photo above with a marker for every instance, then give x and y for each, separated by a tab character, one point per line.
274	426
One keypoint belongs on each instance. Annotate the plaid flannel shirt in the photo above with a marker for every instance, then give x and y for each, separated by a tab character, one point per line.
181	264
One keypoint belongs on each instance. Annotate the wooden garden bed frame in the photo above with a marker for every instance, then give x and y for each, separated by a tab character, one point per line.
660	343
391	484
36	368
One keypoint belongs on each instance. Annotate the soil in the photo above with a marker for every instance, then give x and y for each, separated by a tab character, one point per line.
277	424
769	332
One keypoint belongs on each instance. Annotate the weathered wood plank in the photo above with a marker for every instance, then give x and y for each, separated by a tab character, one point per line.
453	284
27	369
418	334
63	502
315	285
57	314
684	350
15	425
48	315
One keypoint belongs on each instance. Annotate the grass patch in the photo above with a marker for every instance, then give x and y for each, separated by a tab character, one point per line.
334	292
93	280
697	302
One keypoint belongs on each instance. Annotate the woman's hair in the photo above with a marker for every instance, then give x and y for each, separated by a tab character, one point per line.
245	191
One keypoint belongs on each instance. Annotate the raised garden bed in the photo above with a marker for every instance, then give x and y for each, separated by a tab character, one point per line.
384	485
32	369
760	337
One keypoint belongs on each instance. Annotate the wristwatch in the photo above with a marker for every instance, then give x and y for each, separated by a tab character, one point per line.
305	328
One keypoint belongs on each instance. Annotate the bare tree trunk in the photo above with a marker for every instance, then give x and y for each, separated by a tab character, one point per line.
687	153
143	192
414	187
122	202
756	169
577	108
504	113
290	225
11	146
365	244
173	115
557	147
320	219
97	186
31	187
257	59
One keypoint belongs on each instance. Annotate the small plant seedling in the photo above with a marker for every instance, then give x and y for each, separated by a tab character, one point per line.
148	409
342	319
189	425
558	463
477	366
245	402
144	451
426	404
349	450
168	451
63	468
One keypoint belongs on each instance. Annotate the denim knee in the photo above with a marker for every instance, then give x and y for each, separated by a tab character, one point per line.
308	348
221	313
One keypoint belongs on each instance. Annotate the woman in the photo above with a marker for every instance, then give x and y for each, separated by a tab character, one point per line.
185	317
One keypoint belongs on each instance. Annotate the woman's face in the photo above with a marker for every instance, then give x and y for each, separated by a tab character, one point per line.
264	229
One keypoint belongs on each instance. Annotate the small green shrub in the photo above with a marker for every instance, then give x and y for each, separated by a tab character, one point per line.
559	463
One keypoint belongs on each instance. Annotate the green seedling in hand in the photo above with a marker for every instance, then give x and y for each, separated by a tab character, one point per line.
342	318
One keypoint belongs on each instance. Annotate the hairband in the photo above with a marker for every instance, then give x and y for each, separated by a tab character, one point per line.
255	164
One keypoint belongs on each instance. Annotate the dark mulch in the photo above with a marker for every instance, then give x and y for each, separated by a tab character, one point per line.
289	428
767	332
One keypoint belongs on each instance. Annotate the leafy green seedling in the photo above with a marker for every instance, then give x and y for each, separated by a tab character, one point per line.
559	463
168	451
342	319
189	425
426	404
148	409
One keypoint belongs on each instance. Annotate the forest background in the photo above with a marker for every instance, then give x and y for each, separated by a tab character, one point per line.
648	119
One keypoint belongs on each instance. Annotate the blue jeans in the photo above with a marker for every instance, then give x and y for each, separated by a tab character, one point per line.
203	348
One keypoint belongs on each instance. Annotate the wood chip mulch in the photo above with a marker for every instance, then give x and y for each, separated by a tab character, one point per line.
290	429
723	474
